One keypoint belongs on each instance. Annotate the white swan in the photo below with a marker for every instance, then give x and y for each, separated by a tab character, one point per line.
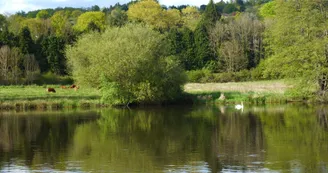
239	106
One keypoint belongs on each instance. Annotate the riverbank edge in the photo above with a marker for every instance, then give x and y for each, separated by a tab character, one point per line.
190	98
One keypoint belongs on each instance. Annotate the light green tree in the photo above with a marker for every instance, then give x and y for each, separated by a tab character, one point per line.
85	19
297	43
151	13
130	63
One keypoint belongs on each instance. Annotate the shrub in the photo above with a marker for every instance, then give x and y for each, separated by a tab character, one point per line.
133	64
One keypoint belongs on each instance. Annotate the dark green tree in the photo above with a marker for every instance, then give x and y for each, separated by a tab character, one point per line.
211	14
26	43
54	49
182	45
204	54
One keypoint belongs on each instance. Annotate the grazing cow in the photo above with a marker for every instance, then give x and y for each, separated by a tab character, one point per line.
51	90
72	86
63	87
76	88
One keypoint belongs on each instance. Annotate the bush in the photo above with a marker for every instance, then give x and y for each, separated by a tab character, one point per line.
133	64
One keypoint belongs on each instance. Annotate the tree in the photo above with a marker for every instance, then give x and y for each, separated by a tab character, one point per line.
211	14
118	17
204	54
297	44
26	43
151	13
37	27
239	42
54	49
268	10
131	63
183	46
84	20
95	8
43	14
31	67
190	17
60	23
9	65
3	23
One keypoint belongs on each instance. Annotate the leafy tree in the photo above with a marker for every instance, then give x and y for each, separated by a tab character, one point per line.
43	14
151	13
131	63
37	27
268	10
84	20
60	23
297	43
190	17
15	23
239	42
118	18
8	38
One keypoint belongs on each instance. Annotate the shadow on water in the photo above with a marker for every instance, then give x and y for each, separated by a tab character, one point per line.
283	138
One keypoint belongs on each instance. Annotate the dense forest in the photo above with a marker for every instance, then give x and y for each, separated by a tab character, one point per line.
240	40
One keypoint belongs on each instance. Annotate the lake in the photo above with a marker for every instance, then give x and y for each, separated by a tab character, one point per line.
281	138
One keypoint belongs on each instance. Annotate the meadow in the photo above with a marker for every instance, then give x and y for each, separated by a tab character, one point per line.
22	97
36	97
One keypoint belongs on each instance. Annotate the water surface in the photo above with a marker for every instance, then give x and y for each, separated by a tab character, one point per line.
288	138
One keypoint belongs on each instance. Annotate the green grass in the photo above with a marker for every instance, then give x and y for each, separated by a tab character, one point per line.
36	97
21	97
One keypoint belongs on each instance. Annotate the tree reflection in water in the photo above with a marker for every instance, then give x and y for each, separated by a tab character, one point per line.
170	139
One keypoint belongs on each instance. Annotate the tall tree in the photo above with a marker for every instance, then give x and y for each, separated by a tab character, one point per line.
26	43
298	43
204	54
54	49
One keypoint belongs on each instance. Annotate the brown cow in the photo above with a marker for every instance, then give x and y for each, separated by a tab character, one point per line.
63	87
72	86
76	88
51	90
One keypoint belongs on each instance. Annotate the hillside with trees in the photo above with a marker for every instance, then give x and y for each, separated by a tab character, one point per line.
216	42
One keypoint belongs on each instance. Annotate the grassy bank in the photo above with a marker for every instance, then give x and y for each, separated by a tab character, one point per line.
259	92
36	97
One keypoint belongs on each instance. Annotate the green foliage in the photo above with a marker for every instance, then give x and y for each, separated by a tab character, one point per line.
211	14
268	10
118	18
54	49
26	43
43	14
204	53
134	58
302	52
84	20
183	46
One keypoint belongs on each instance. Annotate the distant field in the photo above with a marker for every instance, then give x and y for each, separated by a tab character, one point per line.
12	93
278	87
36	97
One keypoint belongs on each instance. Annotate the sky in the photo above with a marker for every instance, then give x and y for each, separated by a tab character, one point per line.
13	6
